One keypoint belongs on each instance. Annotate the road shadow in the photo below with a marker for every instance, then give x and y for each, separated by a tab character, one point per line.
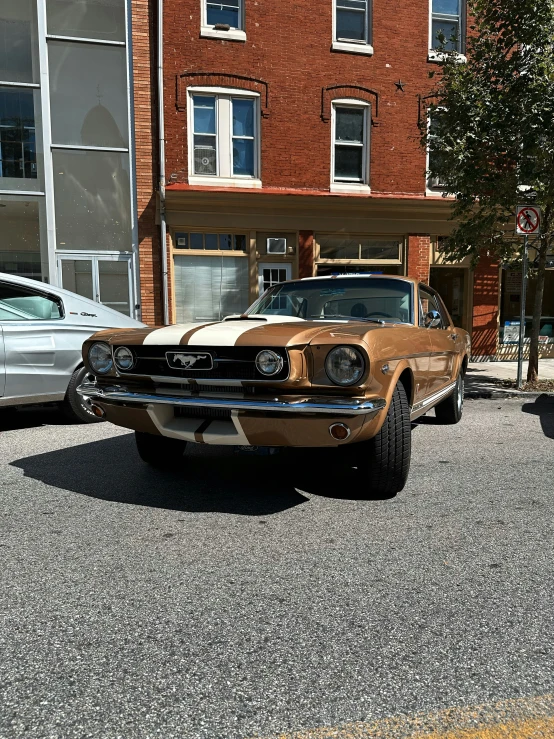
543	407
212	479
12	419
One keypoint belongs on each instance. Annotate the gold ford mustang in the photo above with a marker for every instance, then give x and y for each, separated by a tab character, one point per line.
319	362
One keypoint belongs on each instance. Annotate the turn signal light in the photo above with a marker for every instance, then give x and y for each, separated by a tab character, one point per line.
339	431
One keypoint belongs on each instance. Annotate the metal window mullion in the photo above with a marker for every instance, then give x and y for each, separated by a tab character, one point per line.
446	17
134	293
47	164
33	85
77	39
90	148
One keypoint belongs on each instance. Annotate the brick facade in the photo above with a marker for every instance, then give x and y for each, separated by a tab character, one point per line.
146	158
287	58
419	248
486	294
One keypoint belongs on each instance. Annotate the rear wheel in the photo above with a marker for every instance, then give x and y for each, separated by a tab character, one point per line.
159	451
385	459
451	409
74	406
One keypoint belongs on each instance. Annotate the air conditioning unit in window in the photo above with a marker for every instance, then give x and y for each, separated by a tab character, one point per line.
205	161
277	246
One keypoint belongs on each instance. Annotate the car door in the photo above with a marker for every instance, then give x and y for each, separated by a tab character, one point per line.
442	340
29	320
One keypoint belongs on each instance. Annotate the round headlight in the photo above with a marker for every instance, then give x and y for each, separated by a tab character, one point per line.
100	358
269	363
344	365
123	358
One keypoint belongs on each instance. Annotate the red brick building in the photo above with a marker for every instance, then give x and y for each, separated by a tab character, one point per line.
292	148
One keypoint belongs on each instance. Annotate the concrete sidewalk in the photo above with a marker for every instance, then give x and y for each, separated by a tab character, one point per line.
485	378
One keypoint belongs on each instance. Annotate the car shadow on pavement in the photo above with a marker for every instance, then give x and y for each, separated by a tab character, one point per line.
31	417
212	479
543	407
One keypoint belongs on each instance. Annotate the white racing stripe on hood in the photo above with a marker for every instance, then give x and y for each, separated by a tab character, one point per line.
227	333
170	334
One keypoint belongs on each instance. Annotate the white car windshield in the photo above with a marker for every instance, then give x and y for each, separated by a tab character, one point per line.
355	299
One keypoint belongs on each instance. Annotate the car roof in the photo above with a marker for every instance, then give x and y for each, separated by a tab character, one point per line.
366	276
61	293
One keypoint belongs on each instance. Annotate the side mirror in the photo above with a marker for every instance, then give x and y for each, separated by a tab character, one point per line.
433	319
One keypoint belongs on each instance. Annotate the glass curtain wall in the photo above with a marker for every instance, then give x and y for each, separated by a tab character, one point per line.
79	163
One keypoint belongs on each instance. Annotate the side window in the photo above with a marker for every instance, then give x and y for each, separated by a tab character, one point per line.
19	304
447	19
350	143
427	303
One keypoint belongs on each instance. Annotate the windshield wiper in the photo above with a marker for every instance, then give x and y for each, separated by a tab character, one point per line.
352	318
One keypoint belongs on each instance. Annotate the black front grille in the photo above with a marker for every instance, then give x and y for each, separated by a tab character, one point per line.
229	363
212	413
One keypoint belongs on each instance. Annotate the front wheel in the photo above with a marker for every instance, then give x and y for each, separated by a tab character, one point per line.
159	451
385	459
450	410
75	406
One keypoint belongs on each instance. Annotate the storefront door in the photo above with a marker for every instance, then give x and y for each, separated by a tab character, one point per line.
105	279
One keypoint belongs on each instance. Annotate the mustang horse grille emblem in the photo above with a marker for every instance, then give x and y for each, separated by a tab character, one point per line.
189	360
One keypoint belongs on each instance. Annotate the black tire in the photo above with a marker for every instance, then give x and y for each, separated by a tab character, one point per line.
160	451
386	457
450	410
74	406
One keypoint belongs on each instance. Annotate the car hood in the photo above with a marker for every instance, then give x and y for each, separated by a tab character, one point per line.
264	331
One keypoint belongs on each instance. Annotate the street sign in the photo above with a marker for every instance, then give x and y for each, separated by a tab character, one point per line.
528	220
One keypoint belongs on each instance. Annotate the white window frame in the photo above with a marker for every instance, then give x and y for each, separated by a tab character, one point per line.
344	185
209	31
351	45
431	189
224	133
437	56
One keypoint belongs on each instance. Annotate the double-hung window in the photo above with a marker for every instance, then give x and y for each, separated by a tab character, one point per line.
350	155
223	19
224	139
352	26
447	19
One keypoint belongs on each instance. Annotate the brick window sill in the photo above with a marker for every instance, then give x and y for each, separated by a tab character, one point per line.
352	47
234	34
351	187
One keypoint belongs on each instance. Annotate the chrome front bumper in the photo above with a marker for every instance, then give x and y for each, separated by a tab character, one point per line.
285	404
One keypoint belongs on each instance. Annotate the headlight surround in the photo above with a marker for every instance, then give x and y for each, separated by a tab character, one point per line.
269	363
124	358
344	365
100	358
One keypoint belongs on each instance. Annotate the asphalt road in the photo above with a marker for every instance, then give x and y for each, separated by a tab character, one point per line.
257	596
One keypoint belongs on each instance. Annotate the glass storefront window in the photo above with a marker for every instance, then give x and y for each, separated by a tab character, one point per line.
208	288
113	283
343	247
92	200
17	31
510	307
88	94
77	277
20	164
21	220
104	19
211	242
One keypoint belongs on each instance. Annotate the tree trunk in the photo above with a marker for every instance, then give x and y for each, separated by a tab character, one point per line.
533	368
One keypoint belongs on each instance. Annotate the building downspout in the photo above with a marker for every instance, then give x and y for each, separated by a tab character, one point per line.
161	156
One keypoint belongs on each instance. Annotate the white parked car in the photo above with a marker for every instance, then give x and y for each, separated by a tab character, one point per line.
42	330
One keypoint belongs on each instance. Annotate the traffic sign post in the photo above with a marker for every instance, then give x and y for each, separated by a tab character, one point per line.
528	223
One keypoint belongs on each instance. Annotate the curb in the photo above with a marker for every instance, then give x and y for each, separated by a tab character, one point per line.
504	394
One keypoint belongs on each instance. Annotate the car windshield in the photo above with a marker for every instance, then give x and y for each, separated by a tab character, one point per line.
355	299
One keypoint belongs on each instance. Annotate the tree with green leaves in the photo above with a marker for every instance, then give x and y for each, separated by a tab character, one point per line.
491	137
